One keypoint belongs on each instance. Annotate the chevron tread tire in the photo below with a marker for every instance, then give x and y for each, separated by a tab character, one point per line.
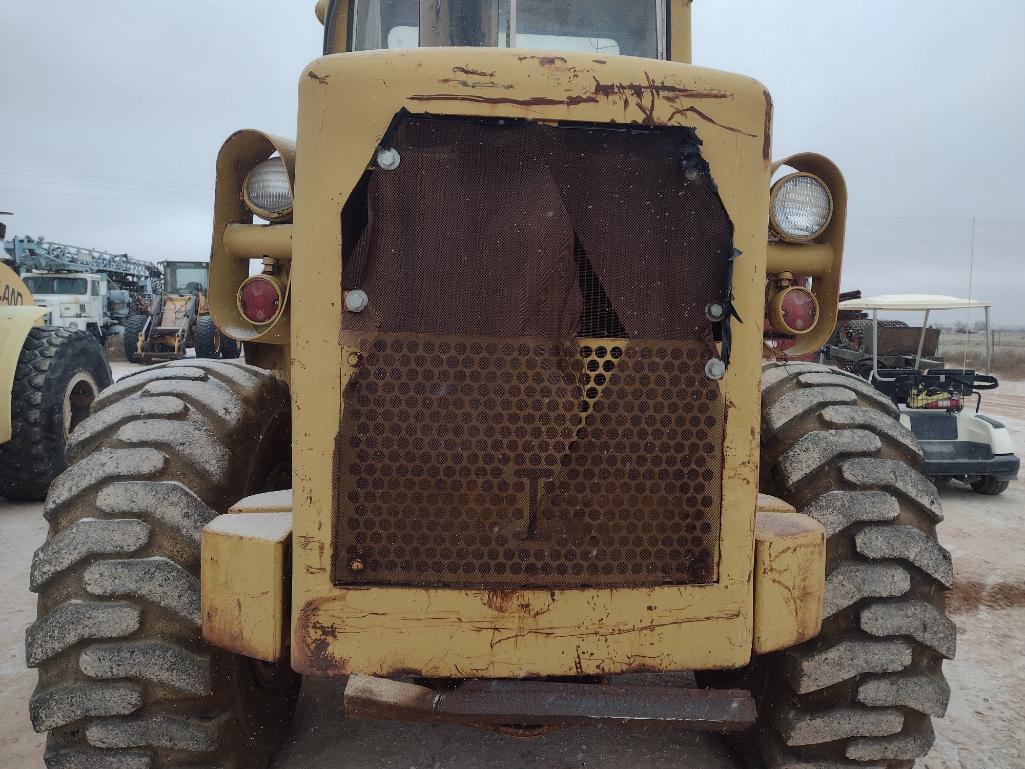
125	679
861	694
52	362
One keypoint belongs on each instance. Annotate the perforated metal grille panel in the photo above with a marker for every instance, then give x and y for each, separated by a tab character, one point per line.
484	442
472	461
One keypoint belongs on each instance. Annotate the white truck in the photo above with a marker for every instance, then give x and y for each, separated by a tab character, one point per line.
83	289
75	300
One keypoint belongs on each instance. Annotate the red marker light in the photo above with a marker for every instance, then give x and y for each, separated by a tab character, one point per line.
259	299
795	311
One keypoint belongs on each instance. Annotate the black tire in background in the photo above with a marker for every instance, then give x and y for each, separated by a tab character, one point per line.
59	375
126	680
207	339
133	330
230	348
863	692
989	486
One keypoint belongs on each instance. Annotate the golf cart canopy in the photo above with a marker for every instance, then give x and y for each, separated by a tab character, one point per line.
912	303
924	303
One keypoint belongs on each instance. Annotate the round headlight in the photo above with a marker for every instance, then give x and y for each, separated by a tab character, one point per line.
800	207
267	190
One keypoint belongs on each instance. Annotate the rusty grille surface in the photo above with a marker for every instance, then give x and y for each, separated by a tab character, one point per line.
483	442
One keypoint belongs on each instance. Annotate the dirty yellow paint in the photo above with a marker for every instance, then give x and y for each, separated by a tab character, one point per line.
789	577
824	258
680	43
237	240
347	103
18	314
244	583
268	502
770	504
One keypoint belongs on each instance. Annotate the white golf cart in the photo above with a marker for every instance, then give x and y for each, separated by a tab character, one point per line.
903	362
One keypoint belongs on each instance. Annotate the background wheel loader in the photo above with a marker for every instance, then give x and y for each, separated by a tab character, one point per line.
179	318
49	379
504	435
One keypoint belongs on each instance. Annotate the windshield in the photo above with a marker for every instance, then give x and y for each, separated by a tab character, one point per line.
50	284
185	278
607	27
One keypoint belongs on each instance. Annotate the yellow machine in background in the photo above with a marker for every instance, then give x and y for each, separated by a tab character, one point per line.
49	378
505	432
179	319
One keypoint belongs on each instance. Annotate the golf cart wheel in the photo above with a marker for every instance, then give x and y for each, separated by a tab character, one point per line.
989	486
125	677
865	689
59	375
133	330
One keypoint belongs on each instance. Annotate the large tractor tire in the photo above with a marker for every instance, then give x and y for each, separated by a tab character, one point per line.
134	327
861	694
59	375
125	678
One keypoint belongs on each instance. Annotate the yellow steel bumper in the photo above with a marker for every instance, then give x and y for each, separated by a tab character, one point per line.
246	572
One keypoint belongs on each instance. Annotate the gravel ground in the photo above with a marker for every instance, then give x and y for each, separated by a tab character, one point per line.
983	728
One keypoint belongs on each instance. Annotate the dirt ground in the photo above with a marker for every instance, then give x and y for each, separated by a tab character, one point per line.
983	728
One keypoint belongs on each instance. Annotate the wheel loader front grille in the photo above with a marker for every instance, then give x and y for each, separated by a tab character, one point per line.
527	404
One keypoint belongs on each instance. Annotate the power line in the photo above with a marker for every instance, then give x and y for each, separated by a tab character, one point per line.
208	201
922	241
48	175
62	185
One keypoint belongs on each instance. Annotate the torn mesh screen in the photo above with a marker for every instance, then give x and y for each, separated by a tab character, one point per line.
529	406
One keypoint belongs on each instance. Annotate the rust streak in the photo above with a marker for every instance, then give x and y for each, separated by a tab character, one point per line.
322	79
704	116
475	83
767	144
557	632
537	101
467	71
661	90
312	637
511	602
545	61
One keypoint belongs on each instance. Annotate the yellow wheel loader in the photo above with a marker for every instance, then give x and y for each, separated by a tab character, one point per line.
504	434
178	319
49	379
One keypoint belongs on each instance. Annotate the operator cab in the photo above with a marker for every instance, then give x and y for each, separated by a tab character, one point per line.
602	27
182	278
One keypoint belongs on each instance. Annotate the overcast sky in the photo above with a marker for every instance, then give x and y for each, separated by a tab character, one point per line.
112	112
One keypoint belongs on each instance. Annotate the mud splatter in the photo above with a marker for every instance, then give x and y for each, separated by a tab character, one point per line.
970	596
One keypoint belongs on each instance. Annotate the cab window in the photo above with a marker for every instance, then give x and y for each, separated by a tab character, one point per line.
607	27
